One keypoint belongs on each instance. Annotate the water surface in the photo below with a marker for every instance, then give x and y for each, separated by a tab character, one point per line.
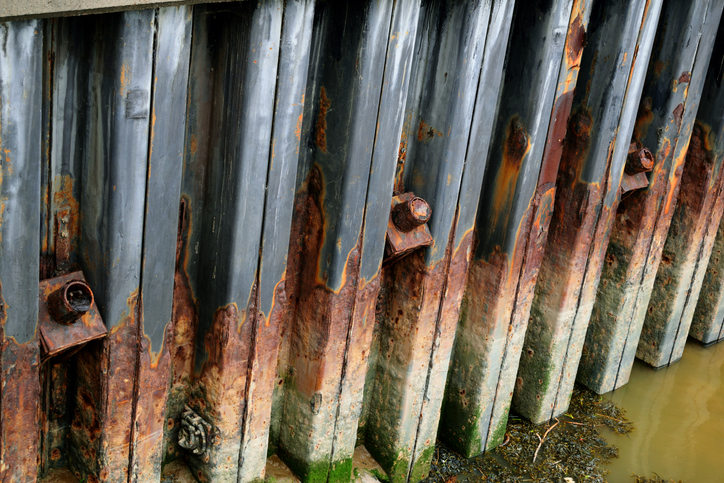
678	412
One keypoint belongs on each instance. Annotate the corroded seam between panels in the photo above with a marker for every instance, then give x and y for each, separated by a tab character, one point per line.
435	344
136	393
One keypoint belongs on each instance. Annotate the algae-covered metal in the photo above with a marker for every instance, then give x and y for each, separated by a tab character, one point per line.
513	215
664	123
696	218
593	158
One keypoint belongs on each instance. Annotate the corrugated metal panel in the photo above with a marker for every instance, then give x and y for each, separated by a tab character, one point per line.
223	176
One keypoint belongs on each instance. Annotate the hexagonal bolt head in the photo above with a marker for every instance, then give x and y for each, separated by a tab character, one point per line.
70	302
411	213
640	159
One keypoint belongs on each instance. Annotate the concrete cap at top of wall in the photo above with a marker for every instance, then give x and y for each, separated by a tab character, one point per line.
13	10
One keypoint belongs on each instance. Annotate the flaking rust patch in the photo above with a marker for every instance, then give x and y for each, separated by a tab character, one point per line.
150	408
120	354
19	403
320	134
425	132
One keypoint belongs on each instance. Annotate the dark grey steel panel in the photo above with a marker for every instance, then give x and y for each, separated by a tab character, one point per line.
165	163
21	131
114	172
486	112
237	170
398	65
440	107
286	139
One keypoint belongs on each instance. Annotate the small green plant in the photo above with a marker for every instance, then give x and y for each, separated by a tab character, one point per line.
379	475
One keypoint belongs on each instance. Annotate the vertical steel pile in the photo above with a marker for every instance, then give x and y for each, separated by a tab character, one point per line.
664	124
696	218
610	81
246	96
421	293
701	193
105	116
513	216
21	135
356	91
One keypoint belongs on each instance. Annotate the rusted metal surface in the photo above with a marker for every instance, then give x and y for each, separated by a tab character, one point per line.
708	323
21	64
278	210
514	211
239	46
418	311
69	302
114	154
409	212
611	75
56	335
349	161
69	46
163	181
662	343
244	320
390	119
696	217
643	216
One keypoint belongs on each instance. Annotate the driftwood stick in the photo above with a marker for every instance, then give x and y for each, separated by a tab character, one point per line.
543	439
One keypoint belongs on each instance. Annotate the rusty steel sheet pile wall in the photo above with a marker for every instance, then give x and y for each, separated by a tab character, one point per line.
664	123
104	120
591	166
515	208
246	98
223	175
696	218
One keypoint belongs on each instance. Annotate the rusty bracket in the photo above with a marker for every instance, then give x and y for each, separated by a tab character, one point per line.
638	163
407	228
67	314
195	432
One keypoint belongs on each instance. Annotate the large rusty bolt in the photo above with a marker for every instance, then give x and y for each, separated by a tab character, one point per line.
70	302
640	159
410	214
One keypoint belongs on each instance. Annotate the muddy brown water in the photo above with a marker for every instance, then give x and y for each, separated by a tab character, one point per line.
678	412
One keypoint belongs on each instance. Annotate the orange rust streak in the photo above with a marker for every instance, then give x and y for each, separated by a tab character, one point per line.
674	176
515	147
62	197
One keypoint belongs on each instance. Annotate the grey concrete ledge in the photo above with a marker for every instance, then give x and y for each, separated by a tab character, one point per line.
23	9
